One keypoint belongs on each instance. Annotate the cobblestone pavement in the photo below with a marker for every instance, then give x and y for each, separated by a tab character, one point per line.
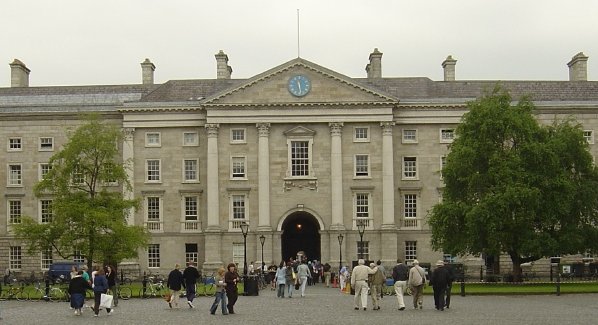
323	306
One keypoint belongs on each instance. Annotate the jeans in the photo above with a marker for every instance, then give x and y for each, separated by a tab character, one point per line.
280	292
291	288
219	298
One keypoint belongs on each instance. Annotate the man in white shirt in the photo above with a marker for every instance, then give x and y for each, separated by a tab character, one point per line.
359	281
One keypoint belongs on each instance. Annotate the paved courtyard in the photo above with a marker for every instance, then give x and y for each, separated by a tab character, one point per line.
322	306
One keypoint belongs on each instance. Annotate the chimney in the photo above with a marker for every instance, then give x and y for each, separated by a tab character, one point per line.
147	72
19	74
449	68
223	70
578	67
374	68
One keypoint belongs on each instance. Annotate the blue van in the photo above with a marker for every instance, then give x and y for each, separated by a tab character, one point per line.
62	270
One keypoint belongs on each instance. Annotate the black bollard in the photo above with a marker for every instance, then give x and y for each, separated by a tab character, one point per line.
462	288
558	284
144	285
47	282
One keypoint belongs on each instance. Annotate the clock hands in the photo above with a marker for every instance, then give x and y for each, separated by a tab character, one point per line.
299	85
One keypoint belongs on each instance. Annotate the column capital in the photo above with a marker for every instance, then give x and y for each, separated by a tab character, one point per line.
336	128
212	130
387	127
263	129
129	133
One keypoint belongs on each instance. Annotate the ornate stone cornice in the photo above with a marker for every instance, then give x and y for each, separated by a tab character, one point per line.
212	130
387	128
263	129
336	128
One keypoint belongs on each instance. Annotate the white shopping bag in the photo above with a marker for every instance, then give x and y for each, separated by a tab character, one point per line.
106	301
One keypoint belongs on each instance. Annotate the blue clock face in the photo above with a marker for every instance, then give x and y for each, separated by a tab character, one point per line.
299	85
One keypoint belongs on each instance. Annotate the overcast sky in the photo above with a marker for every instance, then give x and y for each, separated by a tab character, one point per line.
81	42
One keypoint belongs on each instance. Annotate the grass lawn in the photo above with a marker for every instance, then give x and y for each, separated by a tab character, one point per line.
522	289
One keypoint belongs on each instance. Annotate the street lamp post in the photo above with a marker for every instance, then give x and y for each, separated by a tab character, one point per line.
244	229
262	240
360	229
340	252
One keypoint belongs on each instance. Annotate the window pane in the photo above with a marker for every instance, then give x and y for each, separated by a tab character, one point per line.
191	170
410	250
361	165
238	166
153	255
238	206
153	208
300	158
153	170
362	205
409	167
191	208
410	202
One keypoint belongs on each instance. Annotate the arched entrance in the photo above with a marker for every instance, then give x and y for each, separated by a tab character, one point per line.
300	233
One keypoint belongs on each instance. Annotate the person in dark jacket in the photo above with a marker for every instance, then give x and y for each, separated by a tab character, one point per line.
175	283
400	274
190	274
449	287
77	287
231	277
111	277
440	279
100	285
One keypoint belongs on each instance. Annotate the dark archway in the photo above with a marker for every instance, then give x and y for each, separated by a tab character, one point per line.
300	232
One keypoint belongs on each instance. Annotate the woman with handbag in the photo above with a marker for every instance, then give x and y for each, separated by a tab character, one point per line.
100	287
290	278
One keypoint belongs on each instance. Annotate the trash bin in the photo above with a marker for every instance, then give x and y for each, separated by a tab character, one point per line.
251	288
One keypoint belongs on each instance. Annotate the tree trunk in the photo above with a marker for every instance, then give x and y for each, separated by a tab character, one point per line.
517	271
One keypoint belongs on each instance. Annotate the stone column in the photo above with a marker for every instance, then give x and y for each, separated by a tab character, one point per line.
212	181
388	198
129	163
336	176
263	171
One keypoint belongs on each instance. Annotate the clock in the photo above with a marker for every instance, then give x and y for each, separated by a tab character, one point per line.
299	85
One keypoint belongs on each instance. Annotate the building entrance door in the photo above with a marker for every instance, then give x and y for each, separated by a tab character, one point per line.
300	233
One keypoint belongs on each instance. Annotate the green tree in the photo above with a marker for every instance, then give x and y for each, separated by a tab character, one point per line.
87	215
517	187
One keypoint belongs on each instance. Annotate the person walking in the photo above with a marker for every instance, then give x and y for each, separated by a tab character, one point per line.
77	288
383	270
400	274
111	277
303	274
175	283
359	278
281	280
376	281
417	280
220	296
231	278
100	286
326	269
290	277
343	275
439	280
190	275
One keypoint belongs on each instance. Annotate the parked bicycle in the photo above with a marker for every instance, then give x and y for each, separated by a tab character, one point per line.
14	291
155	288
206	286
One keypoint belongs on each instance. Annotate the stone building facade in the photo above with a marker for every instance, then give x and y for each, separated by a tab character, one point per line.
300	153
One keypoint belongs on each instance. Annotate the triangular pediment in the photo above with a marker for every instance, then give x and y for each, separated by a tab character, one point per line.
299	131
271	88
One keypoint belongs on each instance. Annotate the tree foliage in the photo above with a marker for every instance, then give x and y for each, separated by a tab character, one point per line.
88	212
517	187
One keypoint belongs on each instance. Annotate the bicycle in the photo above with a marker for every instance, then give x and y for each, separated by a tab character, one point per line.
38	292
155	288
14	292
207	286
124	292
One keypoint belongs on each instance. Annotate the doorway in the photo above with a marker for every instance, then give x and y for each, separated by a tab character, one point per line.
300	232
